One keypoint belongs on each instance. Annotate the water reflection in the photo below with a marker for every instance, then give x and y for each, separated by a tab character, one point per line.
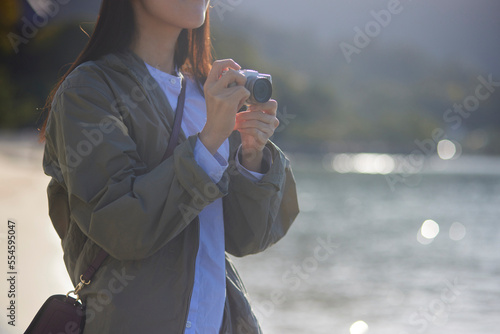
446	149
373	163
429	229
446	158
307	202
427	232
395	297
457	231
359	327
364	163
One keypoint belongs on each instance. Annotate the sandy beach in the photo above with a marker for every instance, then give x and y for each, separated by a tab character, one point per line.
39	268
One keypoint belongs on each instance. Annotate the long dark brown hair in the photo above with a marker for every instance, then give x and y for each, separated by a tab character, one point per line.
114	31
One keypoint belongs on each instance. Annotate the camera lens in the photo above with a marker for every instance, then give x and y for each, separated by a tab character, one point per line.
262	90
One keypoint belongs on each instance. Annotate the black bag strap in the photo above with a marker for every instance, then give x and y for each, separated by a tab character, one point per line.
172	143
179	111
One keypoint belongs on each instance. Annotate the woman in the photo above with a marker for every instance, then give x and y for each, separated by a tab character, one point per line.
166	223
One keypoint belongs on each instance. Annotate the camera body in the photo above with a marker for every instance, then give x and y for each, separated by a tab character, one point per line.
259	85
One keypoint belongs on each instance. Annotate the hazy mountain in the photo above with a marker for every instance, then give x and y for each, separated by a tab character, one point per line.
403	72
456	30
462	31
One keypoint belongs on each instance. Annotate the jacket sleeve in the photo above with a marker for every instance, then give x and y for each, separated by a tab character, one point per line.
258	214
128	208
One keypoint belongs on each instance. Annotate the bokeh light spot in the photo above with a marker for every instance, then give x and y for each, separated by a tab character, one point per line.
342	163
446	149
429	229
359	327
421	239
363	163
457	231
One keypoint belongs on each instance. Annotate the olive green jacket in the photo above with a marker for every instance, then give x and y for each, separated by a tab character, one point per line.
106	136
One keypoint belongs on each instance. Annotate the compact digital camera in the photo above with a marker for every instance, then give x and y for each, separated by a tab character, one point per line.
259	85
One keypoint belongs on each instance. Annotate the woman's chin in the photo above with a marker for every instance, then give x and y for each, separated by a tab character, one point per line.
194	22
197	15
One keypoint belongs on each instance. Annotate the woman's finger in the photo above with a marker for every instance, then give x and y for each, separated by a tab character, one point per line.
231	76
245	116
235	96
270	107
218	67
253	124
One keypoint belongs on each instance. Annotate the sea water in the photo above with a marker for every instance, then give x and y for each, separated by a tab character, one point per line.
367	257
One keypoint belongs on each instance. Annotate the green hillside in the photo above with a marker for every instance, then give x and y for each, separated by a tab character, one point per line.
381	102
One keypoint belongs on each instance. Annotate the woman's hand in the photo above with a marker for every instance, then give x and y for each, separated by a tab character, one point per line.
223	102
256	126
